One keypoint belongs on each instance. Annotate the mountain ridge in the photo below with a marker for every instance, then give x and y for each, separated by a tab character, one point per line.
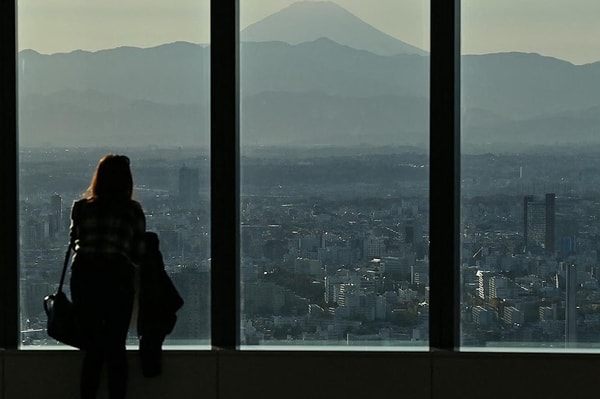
319	91
325	19
489	80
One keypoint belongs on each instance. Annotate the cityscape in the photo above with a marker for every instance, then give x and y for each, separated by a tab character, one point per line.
335	243
334	205
350	245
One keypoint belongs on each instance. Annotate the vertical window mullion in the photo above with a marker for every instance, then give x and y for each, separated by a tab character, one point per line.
225	253
9	249
445	174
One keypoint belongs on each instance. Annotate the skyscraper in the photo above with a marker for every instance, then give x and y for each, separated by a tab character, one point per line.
189	187
571	305
550	237
539	222
55	216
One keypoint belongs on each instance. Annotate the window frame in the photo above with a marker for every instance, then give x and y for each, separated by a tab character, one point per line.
9	243
225	174
225	177
444	180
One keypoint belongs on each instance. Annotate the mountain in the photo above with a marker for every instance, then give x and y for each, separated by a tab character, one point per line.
306	21
178	72
324	65
313	92
512	85
316	92
90	118
315	118
524	85
171	73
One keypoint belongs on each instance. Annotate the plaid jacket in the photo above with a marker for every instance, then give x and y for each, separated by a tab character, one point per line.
108	227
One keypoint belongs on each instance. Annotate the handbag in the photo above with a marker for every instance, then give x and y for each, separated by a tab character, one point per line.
63	323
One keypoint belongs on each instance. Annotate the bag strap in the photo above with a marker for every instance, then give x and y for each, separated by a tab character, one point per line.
66	263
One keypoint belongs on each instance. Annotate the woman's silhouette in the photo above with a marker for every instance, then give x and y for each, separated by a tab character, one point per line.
107	231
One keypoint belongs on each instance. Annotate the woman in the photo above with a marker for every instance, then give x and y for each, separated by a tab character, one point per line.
107	231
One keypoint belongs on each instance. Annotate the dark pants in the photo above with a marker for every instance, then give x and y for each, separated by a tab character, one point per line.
150	353
102	294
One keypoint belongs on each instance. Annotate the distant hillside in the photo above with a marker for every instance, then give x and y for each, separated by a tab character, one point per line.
326	66
314	92
280	118
523	85
171	73
90	118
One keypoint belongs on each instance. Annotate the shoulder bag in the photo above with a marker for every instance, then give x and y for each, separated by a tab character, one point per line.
63	324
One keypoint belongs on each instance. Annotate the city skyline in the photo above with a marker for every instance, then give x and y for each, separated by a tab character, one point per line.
349	264
563	30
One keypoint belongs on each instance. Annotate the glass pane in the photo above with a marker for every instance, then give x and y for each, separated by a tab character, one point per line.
334	155
530	159
129	78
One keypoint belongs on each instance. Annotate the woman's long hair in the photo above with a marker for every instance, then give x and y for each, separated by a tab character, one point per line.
112	179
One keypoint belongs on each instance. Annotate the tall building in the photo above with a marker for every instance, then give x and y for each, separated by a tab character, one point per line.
539	222
409	233
56	205
550	238
571	305
193	319
55	216
189	187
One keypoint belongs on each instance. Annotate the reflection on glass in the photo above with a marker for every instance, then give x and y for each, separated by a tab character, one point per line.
85	92
530	162
334	207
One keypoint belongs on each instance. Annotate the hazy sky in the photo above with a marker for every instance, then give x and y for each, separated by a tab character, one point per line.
566	29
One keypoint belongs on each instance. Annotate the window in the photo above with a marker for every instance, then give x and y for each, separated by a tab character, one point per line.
530	97
132	79
334	175
443	150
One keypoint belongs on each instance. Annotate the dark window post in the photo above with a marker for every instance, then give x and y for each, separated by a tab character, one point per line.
9	244
225	237
444	312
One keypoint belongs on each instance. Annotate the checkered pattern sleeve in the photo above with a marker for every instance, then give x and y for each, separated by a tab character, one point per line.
108	228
